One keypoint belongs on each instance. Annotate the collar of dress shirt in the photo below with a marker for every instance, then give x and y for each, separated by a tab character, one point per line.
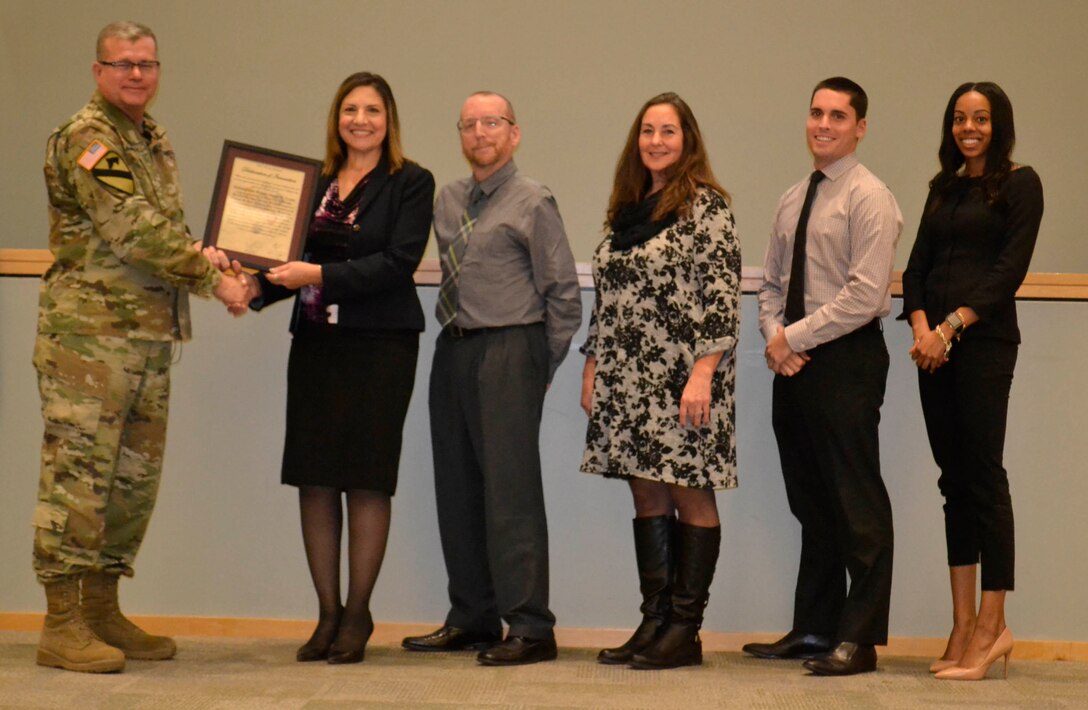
840	167
504	173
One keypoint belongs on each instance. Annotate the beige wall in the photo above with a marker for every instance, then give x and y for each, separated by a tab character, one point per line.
262	72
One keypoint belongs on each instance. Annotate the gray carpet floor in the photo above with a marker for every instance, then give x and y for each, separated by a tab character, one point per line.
261	674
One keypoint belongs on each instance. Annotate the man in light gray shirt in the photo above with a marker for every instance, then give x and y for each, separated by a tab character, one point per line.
825	288
509	305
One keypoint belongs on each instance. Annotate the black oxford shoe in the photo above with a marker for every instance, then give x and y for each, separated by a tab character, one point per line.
847	659
451	638
793	645
518	651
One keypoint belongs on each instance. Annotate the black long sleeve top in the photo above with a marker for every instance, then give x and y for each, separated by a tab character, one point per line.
373	286
976	254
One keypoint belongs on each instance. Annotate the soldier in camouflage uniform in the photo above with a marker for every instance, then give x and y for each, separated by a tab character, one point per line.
111	306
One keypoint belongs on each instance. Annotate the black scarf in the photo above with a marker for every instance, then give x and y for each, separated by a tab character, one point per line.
632	224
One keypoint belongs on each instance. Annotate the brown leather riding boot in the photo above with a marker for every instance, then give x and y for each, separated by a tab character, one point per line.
67	642
103	615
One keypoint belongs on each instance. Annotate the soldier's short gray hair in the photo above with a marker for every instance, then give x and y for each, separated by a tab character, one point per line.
123	30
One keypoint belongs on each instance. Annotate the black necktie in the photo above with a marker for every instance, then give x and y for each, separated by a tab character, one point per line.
795	294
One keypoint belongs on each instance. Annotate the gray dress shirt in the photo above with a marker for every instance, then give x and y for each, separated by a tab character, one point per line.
852	232
518	267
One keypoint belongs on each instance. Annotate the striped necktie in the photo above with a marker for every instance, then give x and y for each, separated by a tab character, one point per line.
448	292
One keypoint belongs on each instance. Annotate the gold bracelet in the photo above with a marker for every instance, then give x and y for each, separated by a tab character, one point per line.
946	341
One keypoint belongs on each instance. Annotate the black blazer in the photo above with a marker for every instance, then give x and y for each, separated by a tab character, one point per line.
374	287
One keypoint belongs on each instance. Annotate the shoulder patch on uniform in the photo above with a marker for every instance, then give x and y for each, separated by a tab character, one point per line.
94	152
110	170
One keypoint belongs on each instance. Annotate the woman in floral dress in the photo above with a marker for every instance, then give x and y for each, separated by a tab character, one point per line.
660	368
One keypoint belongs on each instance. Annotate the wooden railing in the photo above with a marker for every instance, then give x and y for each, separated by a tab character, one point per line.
1037	285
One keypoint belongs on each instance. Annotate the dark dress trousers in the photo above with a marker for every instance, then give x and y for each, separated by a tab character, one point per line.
826	420
486	399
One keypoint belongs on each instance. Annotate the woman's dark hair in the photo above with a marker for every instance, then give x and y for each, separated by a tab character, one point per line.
686	176
998	155
336	151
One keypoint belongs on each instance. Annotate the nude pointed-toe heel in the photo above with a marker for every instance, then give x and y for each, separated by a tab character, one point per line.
941	664
1002	648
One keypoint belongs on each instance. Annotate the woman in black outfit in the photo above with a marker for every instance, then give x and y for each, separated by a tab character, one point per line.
973	249
351	369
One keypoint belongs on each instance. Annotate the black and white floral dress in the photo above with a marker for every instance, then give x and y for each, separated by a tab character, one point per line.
660	306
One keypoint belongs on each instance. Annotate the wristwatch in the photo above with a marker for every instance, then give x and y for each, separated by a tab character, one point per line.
955	322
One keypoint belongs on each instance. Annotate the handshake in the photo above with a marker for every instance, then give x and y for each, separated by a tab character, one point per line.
239	287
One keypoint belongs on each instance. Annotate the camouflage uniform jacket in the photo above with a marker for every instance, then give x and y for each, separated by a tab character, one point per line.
123	260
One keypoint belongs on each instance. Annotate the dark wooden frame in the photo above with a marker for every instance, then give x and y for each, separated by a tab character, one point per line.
312	171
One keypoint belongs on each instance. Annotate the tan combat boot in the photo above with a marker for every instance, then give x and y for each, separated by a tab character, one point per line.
104	616
67	642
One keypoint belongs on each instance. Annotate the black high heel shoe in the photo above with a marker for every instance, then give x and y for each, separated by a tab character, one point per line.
351	640
321	640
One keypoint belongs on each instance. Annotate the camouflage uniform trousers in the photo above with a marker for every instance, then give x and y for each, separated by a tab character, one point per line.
104	405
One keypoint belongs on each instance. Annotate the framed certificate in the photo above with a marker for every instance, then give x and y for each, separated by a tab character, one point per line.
261	205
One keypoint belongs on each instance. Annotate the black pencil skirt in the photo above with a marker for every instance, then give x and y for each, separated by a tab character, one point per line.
347	396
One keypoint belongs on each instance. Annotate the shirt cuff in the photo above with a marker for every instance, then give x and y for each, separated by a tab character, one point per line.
799	336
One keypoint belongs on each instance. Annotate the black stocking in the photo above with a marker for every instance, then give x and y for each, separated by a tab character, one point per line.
368	530
322	520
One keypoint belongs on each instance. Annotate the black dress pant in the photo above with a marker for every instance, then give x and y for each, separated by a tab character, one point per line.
486	398
826	421
966	404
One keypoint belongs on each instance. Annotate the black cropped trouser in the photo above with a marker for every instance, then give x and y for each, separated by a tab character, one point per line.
966	403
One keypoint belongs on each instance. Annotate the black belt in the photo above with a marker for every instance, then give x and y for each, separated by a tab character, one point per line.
876	323
456	332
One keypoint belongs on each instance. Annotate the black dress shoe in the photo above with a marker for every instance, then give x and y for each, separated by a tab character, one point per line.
451	638
317	648
795	644
351	639
309	652
518	651
847	659
312	651
350	655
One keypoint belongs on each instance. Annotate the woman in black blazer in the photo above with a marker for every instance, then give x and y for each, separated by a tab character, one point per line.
973	249
355	326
